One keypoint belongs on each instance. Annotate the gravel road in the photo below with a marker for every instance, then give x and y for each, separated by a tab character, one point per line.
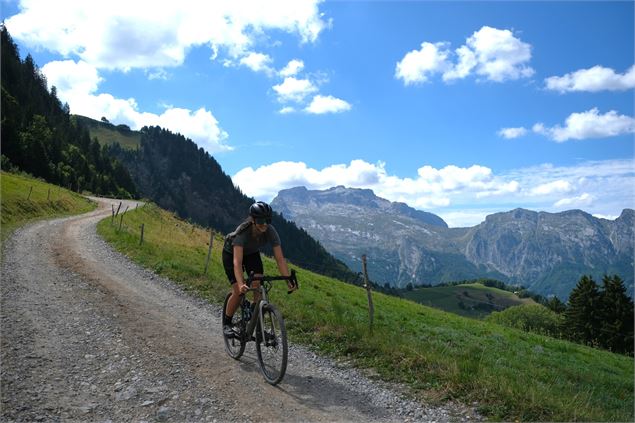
86	335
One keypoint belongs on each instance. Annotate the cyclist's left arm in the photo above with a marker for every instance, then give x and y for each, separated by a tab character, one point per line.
282	265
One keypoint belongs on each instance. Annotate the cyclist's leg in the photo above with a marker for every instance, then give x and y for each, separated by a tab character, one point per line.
234	299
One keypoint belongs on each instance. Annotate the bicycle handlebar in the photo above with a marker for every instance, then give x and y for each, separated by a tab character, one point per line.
291	278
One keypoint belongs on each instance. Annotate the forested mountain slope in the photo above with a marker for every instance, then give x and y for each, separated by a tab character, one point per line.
40	137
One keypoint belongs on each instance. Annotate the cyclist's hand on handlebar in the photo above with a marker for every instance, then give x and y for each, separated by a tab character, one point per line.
242	288
292	282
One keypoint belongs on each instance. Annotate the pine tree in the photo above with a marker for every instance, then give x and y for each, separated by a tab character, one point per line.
616	331
582	318
554	304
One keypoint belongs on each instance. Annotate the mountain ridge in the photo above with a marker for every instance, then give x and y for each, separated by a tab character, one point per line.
546	252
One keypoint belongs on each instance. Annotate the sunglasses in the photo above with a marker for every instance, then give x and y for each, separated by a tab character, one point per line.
261	220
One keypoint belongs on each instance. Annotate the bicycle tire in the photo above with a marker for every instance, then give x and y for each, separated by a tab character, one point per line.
235	347
273	350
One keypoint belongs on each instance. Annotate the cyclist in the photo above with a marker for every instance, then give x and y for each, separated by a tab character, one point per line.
241	252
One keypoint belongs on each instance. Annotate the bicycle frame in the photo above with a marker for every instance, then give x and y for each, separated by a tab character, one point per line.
263	289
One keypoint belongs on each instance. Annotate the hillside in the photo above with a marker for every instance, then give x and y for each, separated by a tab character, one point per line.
545	252
469	300
24	199
109	134
511	375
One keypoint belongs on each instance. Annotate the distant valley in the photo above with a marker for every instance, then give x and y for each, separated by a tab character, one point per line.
545	252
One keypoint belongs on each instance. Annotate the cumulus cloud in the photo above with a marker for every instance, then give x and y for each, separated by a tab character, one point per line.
589	124
292	68
417	65
597	78
511	133
77	84
495	54
258	62
294	90
148	33
327	104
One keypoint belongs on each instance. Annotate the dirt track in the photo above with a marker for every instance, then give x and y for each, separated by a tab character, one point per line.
87	335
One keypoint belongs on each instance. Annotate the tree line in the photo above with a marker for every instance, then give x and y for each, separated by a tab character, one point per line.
40	137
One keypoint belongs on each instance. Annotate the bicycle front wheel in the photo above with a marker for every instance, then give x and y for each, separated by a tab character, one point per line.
271	345
234	345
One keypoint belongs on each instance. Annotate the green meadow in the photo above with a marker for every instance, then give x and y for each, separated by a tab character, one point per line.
470	300
510	374
24	199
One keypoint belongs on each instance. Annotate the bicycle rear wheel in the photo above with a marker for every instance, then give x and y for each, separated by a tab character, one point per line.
272	350
235	346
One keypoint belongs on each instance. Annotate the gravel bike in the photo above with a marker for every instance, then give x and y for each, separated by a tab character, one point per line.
264	325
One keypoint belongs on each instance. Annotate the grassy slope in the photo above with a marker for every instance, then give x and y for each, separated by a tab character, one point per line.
46	201
447	298
512	374
108	134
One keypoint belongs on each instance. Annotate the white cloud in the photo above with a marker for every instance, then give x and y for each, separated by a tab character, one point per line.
286	110
589	124
148	33
463	196
582	200
70	78
597	78
551	187
292	68
327	104
416	65
493	53
294	90
511	133
499	54
258	62
77	83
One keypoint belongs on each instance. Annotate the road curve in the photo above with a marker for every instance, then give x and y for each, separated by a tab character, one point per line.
87	335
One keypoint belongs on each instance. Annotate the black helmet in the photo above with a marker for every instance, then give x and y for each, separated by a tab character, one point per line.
260	210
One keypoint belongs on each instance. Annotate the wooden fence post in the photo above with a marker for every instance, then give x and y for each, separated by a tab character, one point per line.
118	209
48	196
30	191
112	219
209	250
121	220
141	240
371	309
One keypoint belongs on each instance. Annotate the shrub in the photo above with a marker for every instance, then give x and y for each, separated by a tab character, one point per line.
530	318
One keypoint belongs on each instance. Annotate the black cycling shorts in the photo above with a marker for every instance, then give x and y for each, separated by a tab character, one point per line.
251	263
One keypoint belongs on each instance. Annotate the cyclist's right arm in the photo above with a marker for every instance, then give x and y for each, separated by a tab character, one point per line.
238	268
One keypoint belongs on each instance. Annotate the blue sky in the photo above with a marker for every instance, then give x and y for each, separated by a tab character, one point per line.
462	109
